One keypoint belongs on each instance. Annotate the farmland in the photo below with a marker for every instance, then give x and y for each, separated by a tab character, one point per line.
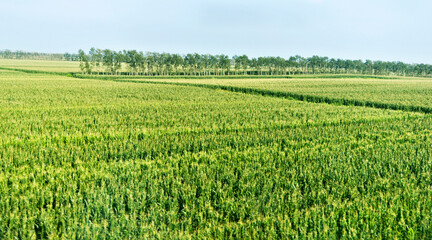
86	157
397	91
401	91
55	66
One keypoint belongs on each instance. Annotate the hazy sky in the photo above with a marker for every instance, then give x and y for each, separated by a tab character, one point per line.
353	29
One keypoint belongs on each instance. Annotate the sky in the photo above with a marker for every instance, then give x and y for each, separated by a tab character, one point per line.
389	30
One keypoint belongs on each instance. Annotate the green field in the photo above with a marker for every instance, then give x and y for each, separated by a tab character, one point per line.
41	65
399	91
90	158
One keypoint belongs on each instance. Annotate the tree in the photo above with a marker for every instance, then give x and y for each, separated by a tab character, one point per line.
84	64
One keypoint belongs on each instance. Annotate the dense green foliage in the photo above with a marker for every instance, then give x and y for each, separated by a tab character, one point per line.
132	62
88	159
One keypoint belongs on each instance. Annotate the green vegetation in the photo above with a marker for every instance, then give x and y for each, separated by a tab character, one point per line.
127	158
397	93
131	62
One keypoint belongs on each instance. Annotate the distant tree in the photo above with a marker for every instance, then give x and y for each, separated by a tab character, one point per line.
133	60
108	59
84	63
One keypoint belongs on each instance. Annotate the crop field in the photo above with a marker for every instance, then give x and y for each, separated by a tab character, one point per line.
399	91
93	158
41	65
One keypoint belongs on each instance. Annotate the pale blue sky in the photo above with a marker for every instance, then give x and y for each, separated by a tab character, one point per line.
353	29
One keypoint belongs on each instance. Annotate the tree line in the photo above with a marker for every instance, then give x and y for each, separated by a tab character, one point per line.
132	62
8	54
